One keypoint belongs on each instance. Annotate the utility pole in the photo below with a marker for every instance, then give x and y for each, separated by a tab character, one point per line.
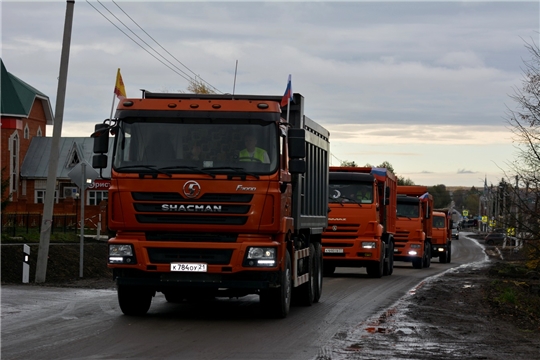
48	205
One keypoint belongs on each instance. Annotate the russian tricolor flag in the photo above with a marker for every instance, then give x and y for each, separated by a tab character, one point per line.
424	197
288	96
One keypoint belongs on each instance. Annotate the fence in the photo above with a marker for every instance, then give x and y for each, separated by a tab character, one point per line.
18	224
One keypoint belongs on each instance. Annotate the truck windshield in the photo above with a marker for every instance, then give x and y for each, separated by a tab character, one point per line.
410	210
350	191
438	222
197	146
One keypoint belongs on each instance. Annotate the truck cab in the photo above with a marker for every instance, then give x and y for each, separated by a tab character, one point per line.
361	220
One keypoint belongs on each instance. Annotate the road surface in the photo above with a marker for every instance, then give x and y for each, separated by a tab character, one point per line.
66	323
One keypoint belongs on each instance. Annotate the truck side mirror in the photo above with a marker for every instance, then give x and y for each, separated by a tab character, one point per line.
297	143
101	138
297	166
101	146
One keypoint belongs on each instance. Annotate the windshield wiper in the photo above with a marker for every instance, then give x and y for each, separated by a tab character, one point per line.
398	215
149	167
236	169
188	168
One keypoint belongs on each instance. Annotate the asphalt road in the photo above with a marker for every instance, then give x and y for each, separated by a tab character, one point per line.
65	323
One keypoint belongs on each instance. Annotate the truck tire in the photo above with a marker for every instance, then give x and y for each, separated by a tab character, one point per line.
318	260
449	259
389	263
376	269
427	255
443	257
328	270
134	301
277	302
304	294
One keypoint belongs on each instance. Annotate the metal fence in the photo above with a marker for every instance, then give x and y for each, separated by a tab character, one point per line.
18	224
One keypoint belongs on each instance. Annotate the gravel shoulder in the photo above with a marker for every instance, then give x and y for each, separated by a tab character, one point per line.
463	313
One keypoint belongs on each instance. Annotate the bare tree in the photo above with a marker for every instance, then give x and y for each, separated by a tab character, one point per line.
521	201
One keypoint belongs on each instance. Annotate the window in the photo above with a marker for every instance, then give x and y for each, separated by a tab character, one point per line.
40	196
39	132
14	162
26	132
438	222
95	197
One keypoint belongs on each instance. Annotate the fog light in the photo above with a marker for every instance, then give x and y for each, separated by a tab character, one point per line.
441	249
412	252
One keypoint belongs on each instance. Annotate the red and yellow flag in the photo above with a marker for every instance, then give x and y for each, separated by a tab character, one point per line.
119	88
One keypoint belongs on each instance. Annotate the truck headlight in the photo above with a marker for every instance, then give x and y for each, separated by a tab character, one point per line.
412	252
415	246
121	254
368	244
260	256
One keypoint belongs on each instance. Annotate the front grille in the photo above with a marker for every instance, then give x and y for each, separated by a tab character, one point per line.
191	237
174	208
342	231
190	219
172	196
208	256
183	208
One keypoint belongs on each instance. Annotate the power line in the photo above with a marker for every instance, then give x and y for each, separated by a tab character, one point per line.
164	48
183	74
123	32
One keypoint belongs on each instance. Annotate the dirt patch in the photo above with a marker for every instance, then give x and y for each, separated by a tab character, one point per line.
481	311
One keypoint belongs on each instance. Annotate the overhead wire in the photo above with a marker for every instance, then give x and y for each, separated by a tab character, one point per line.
171	55
180	72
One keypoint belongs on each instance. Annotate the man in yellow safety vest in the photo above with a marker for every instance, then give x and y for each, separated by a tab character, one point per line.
252	152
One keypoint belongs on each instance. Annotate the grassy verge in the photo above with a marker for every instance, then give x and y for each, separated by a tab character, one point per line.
514	293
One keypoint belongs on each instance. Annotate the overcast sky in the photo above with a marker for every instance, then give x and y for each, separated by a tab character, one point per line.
423	85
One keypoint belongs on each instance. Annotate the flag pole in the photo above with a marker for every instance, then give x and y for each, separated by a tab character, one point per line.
288	107
112	109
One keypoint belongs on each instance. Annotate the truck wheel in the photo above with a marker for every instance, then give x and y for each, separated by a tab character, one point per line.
276	302
305	293
375	270
427	255
418	263
318	260
449	259
389	263
443	257
134	301
328	270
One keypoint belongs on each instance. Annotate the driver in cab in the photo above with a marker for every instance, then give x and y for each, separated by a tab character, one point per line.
252	152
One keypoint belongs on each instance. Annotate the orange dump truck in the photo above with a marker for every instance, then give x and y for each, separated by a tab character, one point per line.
441	238
414	226
215	196
361	221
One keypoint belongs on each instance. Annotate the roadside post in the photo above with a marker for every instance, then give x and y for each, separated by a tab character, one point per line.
26	265
82	175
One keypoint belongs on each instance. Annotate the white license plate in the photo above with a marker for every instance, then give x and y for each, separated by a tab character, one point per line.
189	267
333	251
